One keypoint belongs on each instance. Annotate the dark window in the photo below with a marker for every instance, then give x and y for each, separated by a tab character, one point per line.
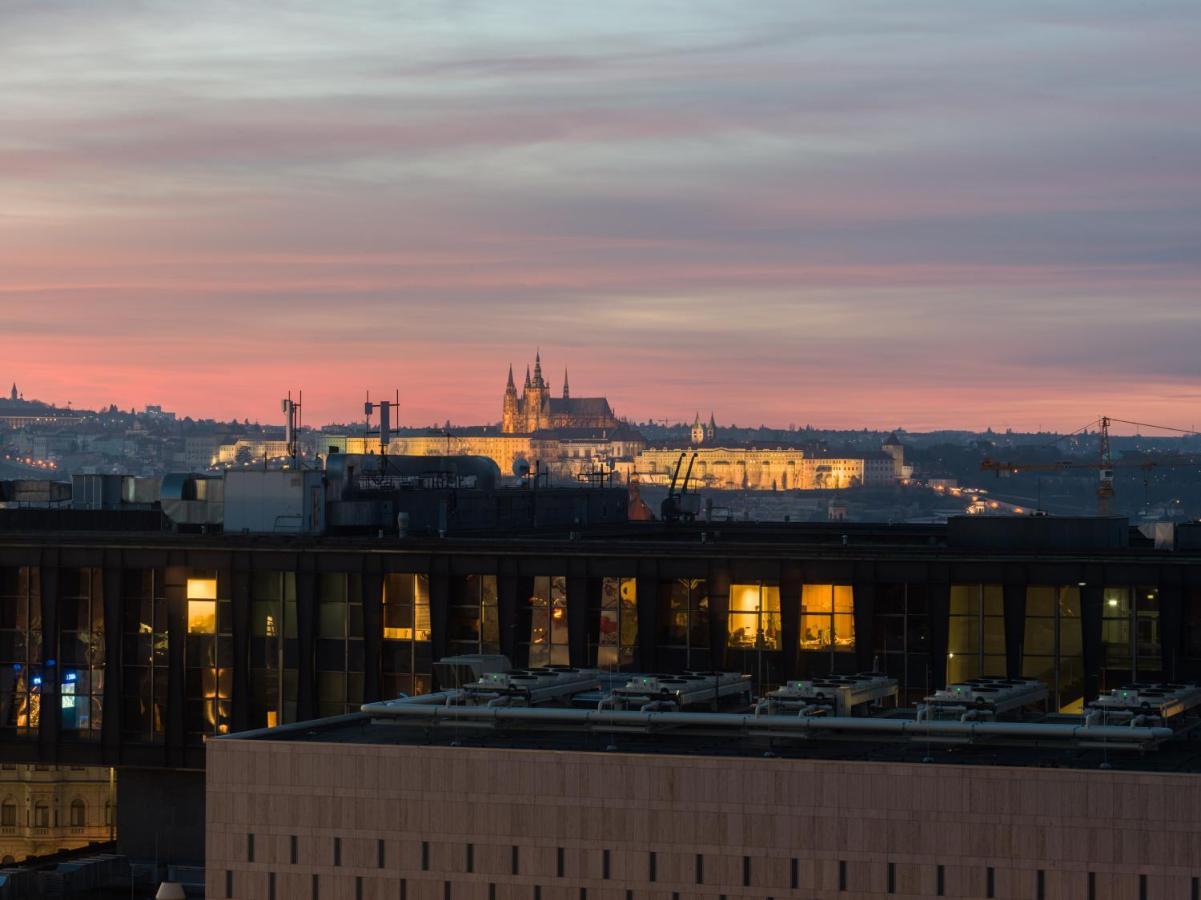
270	886
1142	887
1196	890
1092	885
229	884
337	851
445	891
471	857
842	874
583	893
425	856
379	853
630	896
559	863
515	860
942	881
990	886
1042	885
892	878
316	887
250	848
605	864
537	892
794	874
746	871
358	887
295	849
404	889
700	869
652	866
492	890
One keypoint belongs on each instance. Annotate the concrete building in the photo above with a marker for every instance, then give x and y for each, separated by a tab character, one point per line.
492	806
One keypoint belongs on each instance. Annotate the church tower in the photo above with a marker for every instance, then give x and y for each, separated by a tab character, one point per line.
566	389
711	428
537	399
15	395
508	422
698	431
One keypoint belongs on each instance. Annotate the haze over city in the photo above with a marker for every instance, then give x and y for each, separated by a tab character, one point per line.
950	215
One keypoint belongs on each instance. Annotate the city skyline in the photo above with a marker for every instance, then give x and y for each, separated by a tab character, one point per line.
945	216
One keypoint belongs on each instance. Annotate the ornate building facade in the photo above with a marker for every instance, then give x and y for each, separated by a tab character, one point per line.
537	410
44	809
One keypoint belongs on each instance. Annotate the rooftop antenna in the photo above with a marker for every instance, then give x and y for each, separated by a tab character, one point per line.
291	410
385	408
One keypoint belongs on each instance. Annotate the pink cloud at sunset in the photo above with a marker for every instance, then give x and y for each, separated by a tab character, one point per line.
954	216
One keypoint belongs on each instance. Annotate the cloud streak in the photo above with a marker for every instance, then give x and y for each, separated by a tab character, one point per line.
961	214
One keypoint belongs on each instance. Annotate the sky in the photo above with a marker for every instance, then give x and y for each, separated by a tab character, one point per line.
940	213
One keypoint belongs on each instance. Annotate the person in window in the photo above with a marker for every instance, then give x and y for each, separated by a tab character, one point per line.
739	638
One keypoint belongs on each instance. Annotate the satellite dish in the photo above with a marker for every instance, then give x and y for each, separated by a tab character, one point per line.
521	467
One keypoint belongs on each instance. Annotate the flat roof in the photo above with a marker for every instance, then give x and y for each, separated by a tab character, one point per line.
1182	754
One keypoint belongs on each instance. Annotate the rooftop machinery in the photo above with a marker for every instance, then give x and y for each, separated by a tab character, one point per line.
677	692
833	696
983	699
1167	704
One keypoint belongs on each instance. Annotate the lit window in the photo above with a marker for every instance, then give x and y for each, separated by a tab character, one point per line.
618	622
827	617
202	617
202	588
754	617
548	622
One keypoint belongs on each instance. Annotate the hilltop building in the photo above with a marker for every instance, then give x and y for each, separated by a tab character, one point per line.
731	466
537	410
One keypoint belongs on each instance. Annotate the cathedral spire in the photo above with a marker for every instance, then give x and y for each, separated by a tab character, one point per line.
15	395
538	369
566	389
510	386
527	376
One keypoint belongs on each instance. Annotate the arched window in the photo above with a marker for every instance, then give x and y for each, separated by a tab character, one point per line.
41	815
108	812
8	813
79	813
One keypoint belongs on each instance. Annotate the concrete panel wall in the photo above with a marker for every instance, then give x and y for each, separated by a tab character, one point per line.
753	821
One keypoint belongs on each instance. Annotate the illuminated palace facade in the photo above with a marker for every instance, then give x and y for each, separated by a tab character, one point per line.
738	467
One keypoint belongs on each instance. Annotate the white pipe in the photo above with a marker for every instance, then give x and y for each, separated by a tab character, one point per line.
630	718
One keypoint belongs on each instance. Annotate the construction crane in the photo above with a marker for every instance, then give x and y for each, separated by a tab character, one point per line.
676	506
1104	464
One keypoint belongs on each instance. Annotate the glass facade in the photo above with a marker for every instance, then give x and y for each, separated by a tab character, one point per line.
274	649
685	627
340	654
208	657
143	655
901	638
548	622
754	622
1052	640
1130	641
406	654
1052	646
618	637
20	650
976	632
474	619
81	651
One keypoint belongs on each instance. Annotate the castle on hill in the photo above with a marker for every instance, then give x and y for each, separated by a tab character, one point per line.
537	410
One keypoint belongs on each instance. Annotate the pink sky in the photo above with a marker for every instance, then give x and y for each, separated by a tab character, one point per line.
956	217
